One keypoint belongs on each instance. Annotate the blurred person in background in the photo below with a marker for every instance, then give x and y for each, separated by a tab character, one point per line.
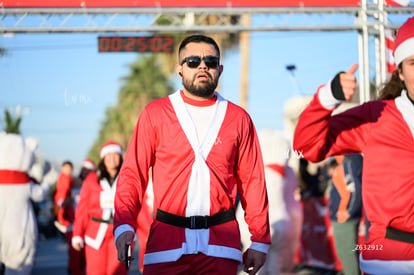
66	215
93	227
66	199
345	208
87	166
18	230
63	199
285	211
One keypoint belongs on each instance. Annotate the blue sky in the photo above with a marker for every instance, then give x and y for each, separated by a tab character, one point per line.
66	85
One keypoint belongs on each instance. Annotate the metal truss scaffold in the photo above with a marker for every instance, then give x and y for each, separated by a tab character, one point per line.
369	20
92	20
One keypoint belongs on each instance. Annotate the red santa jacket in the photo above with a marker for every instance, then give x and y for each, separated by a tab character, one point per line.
194	178
383	132
63	200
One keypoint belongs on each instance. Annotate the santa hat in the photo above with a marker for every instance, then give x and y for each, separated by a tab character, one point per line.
404	41
89	164
110	147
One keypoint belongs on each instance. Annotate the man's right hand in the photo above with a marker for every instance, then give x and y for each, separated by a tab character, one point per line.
253	260
123	240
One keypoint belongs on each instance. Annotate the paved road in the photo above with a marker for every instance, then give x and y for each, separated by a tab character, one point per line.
52	258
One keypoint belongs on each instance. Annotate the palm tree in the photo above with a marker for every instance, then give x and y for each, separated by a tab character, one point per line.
145	83
12	124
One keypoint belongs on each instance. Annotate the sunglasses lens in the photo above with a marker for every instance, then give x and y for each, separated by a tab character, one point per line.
193	61
211	61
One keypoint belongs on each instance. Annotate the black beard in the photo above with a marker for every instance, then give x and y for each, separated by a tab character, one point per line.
204	89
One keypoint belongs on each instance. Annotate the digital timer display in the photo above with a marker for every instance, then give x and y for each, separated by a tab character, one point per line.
139	44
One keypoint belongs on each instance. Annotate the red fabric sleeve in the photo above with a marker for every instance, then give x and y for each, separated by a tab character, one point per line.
134	174
62	188
252	184
83	207
319	135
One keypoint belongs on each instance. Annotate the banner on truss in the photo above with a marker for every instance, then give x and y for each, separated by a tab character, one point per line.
174	3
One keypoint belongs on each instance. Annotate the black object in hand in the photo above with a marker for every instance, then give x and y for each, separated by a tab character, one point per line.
129	258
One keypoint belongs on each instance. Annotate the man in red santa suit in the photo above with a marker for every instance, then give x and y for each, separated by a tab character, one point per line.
382	130
93	227
202	149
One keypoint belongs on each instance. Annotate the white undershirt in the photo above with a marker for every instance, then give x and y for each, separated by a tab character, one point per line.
201	117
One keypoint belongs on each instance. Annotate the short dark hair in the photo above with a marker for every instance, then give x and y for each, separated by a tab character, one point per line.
67	162
198	38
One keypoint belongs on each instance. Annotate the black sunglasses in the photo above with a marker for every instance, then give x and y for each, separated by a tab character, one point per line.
194	61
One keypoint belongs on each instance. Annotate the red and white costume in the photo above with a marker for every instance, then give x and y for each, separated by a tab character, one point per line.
96	205
18	230
66	213
193	175
383	132
67	191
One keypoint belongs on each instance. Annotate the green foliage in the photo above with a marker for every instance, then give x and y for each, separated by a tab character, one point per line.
12	124
145	83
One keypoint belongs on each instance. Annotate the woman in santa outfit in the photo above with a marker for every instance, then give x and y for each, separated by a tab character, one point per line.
93	227
382	130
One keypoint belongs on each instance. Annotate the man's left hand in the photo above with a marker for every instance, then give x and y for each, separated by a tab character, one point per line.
253	260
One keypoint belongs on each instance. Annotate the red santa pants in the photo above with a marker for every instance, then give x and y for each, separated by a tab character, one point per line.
194	264
105	260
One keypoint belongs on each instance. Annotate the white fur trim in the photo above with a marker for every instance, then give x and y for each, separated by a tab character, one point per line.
88	165
163	256
326	97
62	228
225	252
404	50
77	240
405	106
262	247
174	254
96	243
123	228
113	148
386	267
198	195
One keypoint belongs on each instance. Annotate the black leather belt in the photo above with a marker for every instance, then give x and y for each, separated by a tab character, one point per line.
110	221
398	235
195	222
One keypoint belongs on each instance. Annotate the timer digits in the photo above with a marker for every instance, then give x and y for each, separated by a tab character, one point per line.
136	44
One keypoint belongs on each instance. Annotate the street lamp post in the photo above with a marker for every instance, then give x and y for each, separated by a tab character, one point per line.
291	68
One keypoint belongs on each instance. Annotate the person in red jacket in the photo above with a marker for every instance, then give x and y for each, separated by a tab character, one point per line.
63	198
66	215
93	227
202	150
382	130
